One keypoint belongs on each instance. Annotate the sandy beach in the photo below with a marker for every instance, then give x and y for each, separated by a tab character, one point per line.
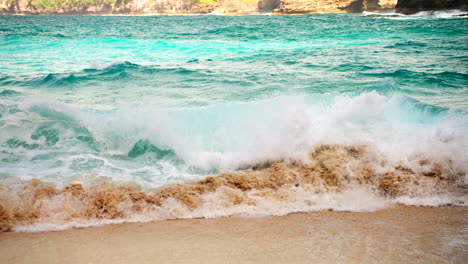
397	235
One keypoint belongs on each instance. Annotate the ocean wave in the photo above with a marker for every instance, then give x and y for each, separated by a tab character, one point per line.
116	71
350	178
226	136
446	79
8	92
416	74
277	156
408	43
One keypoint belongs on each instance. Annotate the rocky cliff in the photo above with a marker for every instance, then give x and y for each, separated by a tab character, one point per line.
172	7
332	6
413	6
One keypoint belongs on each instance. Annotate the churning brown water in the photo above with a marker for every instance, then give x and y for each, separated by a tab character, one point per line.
349	178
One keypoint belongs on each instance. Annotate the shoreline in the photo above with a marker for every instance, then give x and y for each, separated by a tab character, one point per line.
463	13
397	235
189	14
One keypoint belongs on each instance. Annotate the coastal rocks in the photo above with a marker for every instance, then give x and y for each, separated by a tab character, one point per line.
408	7
387	4
132	7
236	7
332	6
306	6
268	5
180	7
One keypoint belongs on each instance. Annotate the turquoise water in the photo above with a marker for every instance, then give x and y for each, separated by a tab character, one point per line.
162	99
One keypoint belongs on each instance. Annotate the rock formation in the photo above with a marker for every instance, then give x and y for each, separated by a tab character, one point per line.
332	6
413	6
266	6
180	7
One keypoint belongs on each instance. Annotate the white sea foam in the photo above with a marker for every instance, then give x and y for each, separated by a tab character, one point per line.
441	13
239	135
97	66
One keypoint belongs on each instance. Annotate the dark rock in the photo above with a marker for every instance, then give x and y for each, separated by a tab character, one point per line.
268	5
408	7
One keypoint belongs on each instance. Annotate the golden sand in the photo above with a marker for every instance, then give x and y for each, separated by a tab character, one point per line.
398	235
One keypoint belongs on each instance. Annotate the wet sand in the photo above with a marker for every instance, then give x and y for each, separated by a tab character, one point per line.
398	235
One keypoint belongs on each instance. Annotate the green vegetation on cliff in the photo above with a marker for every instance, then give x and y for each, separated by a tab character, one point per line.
55	4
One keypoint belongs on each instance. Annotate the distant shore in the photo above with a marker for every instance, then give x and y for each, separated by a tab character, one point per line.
397	235
214	13
222	7
191	7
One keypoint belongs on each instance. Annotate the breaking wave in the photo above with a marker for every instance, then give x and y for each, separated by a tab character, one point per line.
352	178
67	167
